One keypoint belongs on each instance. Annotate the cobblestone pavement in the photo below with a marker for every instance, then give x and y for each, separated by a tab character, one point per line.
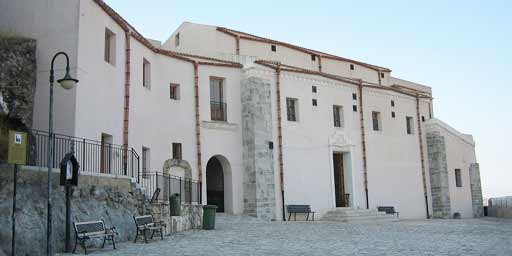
247	236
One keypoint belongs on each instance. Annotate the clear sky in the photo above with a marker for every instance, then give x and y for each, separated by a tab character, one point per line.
462	49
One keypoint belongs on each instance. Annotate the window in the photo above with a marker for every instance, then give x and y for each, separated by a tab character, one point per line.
174	91
313	57
273	47
393	114
313	88
291	109
146	73
351	66
410	124
392	103
354	96
354	108
376	121
337	115
110	47
382	75
177	40
176	151
217	106
145	160
315	102
423	118
458	178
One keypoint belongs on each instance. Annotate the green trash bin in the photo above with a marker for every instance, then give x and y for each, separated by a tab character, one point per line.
209	216
175	204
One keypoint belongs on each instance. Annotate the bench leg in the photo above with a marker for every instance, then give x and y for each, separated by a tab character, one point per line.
76	242
82	243
295	217
161	234
153	234
136	236
113	242
313	219
307	217
289	216
104	240
145	236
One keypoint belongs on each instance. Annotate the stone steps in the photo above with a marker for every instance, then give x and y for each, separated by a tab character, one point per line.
357	216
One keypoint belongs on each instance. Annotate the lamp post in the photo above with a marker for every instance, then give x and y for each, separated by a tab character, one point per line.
67	82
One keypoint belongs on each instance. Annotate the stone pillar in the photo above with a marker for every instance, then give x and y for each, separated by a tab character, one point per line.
476	190
438	170
259	192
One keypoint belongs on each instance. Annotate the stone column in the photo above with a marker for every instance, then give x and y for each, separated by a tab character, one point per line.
476	190
438	170
259	192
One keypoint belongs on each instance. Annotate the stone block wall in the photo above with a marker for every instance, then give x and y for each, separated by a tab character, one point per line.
438	169
476	190
259	197
191	217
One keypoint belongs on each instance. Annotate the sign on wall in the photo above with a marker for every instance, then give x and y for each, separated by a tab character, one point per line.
17	153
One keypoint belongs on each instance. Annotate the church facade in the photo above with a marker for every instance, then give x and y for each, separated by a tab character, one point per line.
262	123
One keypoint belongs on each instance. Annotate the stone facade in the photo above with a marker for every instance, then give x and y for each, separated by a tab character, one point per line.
259	195
438	170
476	190
111	198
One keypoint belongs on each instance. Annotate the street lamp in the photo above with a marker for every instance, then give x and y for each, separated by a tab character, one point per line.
67	82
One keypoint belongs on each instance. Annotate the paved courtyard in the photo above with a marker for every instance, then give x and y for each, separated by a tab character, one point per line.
247	236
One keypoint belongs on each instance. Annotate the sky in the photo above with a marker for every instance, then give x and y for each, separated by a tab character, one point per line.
462	49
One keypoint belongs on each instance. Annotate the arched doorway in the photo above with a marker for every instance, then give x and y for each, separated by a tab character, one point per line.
218	183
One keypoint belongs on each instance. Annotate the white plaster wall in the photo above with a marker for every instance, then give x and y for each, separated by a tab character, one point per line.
54	24
342	68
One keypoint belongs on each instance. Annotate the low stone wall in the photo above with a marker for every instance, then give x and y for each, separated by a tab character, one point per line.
500	207
111	198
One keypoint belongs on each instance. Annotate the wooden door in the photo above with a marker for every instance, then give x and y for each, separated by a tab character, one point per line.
339	180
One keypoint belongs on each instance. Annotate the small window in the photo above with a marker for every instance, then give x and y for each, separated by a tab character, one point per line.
382	75
354	108
351	66
410	124
218	106
176	151
354	96
392	103
110	47
291	109
313	57
315	102
458	178
146	154
376	121
174	91
393	114
177	40
337	116
423	118
273	47
146	73
313	88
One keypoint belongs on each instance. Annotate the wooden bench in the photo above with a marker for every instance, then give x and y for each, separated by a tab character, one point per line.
146	223
299	208
388	210
93	229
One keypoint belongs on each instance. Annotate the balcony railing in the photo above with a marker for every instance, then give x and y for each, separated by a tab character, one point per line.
218	111
159	187
93	156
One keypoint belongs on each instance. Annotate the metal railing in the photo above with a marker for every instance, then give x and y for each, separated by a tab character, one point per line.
189	190
93	156
218	111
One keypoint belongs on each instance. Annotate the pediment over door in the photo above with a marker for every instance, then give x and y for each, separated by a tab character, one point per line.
340	139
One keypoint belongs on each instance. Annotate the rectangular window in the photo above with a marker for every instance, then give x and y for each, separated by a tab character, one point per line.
176	151
313	88
315	102
338	116
410	124
313	57
273	47
423	118
110	47
393	114
146	73
354	96
218	107
291	109
382	75
392	103
376	121
458	178
174	91
177	40
145	160
354	108
351	66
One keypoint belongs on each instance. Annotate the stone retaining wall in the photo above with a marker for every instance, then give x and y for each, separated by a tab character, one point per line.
111	198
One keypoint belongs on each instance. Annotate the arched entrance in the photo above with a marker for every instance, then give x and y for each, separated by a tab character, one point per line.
218	183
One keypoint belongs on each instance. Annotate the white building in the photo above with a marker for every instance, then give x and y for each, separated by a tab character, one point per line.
258	120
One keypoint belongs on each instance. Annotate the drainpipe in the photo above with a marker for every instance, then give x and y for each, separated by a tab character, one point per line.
237	38
379	76
280	135
198	128
126	113
319	63
363	142
420	137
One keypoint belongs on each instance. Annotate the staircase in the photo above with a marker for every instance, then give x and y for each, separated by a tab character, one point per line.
346	214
